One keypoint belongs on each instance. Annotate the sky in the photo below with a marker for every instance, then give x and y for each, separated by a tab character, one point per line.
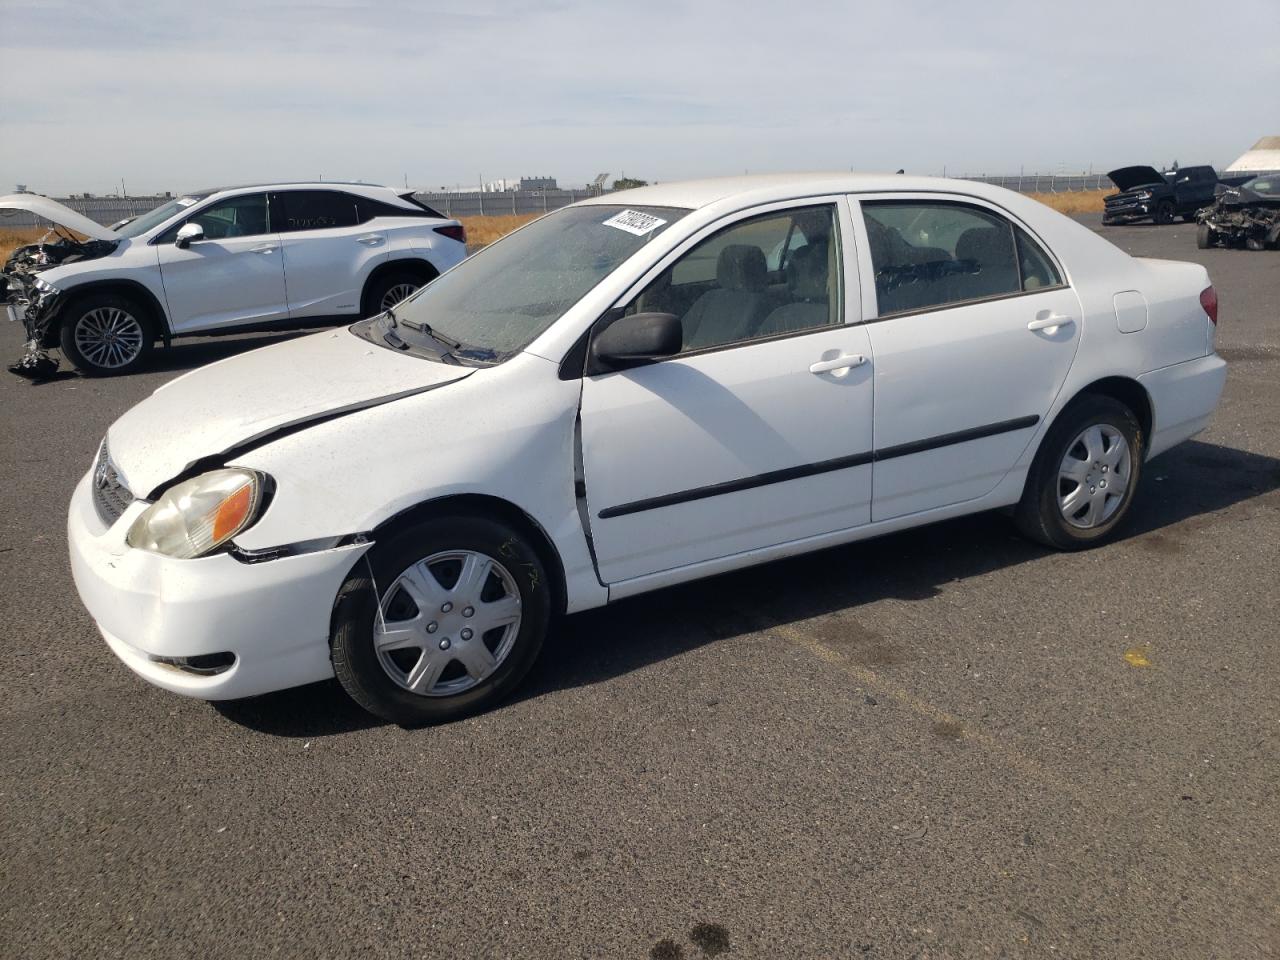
178	95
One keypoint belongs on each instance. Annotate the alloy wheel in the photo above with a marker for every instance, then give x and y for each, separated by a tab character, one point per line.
394	295
1094	476
109	338
447	623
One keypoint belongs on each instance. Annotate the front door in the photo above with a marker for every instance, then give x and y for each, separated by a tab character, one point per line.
759	432
975	333
234	276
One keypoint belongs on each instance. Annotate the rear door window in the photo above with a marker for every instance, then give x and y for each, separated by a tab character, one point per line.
931	254
316	210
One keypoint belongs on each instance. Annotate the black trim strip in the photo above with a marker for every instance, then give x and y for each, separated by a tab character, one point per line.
960	436
735	486
813	469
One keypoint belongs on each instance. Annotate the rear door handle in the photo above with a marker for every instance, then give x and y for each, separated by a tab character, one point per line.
842	362
265	248
369	240
1051	322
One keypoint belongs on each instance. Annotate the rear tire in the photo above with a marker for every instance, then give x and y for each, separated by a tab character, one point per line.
1204	237
390	288
106	335
1070	501
446	643
1255	243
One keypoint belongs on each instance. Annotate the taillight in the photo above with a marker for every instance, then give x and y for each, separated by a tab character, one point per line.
458	232
1209	300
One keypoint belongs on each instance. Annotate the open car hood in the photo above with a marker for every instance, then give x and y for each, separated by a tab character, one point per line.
56	212
229	407
1129	178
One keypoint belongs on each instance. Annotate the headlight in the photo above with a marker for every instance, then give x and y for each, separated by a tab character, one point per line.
44	286
199	515
1144	195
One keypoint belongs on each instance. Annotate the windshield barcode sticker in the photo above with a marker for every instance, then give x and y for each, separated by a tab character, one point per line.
633	221
185	201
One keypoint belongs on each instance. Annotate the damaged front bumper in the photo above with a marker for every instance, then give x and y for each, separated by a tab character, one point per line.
35	304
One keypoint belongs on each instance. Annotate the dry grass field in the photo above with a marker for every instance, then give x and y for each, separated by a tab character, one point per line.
482	231
1086	201
12	239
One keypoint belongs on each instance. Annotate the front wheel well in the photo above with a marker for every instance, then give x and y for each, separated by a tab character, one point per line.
493	508
126	288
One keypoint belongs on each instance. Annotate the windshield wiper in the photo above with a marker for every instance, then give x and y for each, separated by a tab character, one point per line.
426	328
390	336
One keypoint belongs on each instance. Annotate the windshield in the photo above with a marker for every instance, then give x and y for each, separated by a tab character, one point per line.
1265	186
499	300
140	225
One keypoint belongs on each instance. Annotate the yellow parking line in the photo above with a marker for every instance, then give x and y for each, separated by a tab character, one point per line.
900	695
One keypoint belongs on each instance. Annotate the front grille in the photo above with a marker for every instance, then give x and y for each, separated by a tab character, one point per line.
110	496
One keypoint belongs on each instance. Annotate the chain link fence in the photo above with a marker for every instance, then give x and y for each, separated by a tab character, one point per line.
108	210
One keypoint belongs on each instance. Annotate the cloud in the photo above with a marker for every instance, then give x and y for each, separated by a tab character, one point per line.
170	96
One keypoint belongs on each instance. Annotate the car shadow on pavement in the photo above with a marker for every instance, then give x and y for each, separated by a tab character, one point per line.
316	710
1190	482
187	354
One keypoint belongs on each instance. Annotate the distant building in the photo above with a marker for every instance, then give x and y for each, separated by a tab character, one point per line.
1263	156
538	183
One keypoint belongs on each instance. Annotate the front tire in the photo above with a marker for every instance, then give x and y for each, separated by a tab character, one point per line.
1204	237
444	620
1164	213
1083	480
106	335
1255	243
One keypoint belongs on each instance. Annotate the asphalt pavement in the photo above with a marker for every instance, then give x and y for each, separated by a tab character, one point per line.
944	743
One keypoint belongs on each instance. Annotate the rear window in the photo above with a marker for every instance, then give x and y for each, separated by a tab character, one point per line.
316	210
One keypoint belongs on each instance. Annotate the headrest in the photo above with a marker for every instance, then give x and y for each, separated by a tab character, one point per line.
741	266
989	246
807	272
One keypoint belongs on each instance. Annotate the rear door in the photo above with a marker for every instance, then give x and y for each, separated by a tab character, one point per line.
759	432
234	276
975	329
327	253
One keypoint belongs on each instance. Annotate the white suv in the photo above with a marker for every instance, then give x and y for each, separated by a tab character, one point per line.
234	257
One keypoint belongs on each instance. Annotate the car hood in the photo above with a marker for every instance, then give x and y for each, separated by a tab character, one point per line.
1129	178
222	410
54	211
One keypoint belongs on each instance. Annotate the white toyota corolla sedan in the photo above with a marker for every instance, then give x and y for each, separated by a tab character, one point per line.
642	389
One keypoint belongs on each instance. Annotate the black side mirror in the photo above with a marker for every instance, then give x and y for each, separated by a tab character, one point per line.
636	340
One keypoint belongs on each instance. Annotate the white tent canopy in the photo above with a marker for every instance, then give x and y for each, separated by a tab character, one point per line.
1263	155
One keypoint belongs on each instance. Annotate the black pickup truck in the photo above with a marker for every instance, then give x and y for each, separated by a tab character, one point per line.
1148	195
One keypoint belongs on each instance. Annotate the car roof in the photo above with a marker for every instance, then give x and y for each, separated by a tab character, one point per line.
372	190
764	188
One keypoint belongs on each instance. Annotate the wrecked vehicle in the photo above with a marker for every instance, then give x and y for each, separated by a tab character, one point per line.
1244	216
219	260
1146	194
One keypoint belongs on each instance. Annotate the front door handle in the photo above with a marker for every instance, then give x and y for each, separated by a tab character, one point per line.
1050	323
842	362
265	248
369	240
